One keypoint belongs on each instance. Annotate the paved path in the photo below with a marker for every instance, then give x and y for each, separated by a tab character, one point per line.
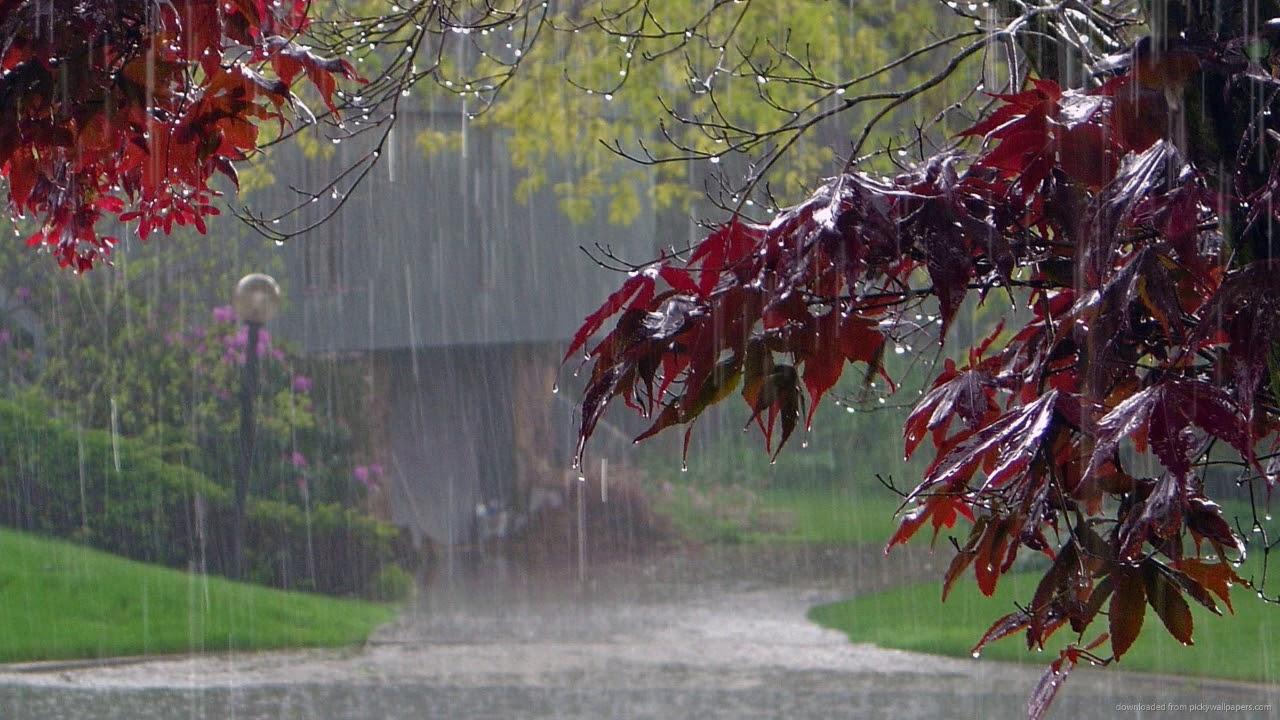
636	641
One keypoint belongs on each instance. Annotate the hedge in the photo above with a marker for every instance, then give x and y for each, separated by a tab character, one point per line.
118	495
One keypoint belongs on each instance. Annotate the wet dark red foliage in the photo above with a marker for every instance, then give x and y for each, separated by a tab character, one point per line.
128	108
1145	327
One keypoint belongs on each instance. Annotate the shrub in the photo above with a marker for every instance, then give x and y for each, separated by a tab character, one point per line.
118	495
392	584
329	548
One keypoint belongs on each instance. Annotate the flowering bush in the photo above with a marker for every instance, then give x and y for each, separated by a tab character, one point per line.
300	458
178	387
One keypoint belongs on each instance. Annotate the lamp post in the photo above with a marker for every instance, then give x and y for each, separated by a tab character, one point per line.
256	299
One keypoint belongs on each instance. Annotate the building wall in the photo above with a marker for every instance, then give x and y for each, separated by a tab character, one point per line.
467	426
464	299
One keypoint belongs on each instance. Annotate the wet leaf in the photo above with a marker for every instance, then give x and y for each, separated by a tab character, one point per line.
1216	577
1048	686
1165	598
639	287
1007	445
967	394
1002	628
1128	605
824	362
1163	413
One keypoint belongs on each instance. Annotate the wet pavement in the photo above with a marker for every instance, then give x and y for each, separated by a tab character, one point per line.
699	634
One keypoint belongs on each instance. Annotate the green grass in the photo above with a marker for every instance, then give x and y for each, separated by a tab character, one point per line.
834	515
59	601
912	617
726	513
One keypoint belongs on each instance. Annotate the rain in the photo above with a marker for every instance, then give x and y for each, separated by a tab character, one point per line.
639	359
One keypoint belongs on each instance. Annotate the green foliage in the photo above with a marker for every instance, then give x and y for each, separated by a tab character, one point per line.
299	458
116	495
17	336
177	384
392	584
721	513
59	600
834	515
141	350
620	88
119	495
330	548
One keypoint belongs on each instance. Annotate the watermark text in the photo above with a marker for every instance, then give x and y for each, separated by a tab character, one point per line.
1200	707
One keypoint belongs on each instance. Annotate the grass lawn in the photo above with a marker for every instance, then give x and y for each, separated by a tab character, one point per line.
1240	647
833	515
59	600
819	514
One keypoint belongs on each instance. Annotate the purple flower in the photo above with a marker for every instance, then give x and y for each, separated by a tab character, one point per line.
375	470
4	338
224	314
23	294
361	474
298	459
301	384
238	340
277	354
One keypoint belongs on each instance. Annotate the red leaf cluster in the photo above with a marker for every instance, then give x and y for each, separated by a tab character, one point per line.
128	108
1142	337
